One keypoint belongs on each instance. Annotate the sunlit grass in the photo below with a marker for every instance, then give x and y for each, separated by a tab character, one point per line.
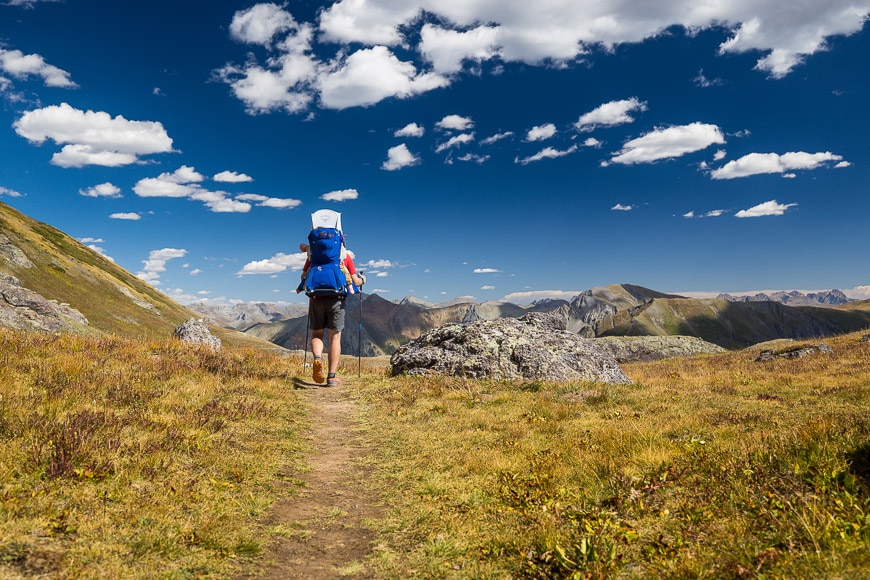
125	459
709	466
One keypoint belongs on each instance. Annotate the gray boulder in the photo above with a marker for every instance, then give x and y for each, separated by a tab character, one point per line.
21	308
194	331
648	348
768	355
534	346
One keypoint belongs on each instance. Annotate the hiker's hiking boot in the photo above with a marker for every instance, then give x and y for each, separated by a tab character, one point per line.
333	381
318	375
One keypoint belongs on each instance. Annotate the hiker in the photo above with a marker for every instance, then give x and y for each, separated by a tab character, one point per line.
329	275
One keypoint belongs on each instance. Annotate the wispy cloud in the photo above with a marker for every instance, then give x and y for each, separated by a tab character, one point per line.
610	114
765	163
767	208
669	142
546	153
155	265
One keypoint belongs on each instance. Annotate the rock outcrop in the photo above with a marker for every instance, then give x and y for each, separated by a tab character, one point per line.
21	308
194	331
647	348
534	346
767	355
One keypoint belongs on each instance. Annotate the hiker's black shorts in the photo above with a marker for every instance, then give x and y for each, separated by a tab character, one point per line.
327	313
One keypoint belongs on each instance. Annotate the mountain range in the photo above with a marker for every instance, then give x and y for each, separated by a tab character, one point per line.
614	310
50	281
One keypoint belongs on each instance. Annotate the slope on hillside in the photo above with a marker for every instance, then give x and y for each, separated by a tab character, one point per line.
55	266
731	324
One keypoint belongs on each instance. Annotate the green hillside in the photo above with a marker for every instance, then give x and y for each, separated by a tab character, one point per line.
64	270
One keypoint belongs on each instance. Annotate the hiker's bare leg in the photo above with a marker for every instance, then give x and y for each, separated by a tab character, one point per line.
334	350
317	342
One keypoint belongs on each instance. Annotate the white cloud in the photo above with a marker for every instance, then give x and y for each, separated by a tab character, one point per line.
399	157
546	153
620	207
858	293
184	182
410	130
340	195
719	155
486	271
438	39
487	287
479	159
265	201
9	192
669	142
610	114
155	265
92	138
371	75
195	272
690	214
541	132
762	163
447	49
260	23
102	190
765	209
592	142
455	123
28	3
455	141
22	66
276	264
380	264
232	177
126	216
497	137
535	295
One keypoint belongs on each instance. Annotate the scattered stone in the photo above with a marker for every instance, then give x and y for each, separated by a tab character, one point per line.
195	331
649	348
21	308
767	355
865	338
13	253
533	347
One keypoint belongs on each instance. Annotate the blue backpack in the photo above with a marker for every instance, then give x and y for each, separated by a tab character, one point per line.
326	254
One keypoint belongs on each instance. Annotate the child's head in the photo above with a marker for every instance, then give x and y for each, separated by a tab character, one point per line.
303	247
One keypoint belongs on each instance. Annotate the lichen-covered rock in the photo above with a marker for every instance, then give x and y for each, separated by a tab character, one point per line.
767	355
195	331
21	308
647	348
534	346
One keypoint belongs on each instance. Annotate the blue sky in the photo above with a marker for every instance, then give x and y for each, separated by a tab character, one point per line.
499	150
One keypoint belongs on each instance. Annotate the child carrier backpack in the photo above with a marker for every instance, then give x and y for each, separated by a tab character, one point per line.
326	277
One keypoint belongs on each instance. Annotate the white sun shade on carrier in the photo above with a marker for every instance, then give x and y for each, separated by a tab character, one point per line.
326	218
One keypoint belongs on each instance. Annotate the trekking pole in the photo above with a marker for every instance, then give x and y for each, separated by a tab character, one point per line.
359	332
305	346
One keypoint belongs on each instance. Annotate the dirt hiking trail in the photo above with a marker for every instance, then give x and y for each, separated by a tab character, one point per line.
329	537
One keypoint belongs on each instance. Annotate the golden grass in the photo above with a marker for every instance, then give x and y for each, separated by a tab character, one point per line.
124	459
706	467
130	459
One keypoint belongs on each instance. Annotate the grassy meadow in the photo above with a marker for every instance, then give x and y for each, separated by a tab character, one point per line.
138	459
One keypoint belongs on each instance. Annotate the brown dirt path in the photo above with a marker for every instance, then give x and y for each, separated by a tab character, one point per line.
328	516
